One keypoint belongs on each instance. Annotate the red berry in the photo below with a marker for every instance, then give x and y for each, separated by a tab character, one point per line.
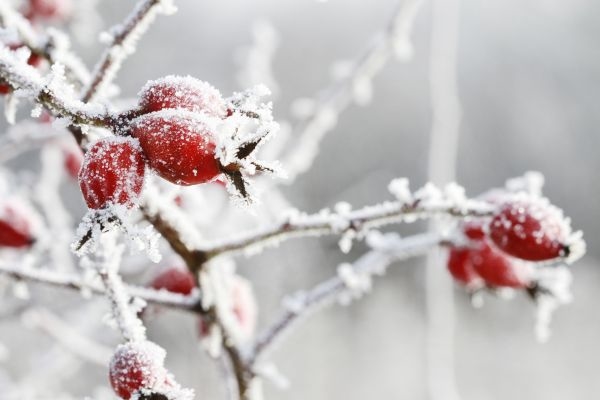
15	229
178	146
178	92
73	160
136	366
530	229
34	60
498	269
112	173
461	268
176	280
50	9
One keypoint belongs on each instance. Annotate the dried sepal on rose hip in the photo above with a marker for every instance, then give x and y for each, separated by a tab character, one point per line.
112	173
137	369
530	228
182	92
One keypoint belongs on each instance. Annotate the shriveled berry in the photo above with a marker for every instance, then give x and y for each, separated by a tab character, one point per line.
15	229
176	280
530	228
182	92
136	366
178	146
112	173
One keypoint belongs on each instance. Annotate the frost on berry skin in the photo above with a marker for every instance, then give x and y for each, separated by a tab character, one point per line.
15	229
137	366
179	92
530	228
176	280
179	146
112	173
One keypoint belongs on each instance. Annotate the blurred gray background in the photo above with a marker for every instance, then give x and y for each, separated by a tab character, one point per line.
529	83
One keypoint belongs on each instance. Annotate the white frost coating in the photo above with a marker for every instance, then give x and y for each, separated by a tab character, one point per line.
553	290
531	182
105	261
11	103
400	189
47	192
428	202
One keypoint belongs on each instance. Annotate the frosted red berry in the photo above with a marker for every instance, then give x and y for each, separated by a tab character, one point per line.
112	173
530	229
176	280
136	366
15	228
178	146
178	92
49	9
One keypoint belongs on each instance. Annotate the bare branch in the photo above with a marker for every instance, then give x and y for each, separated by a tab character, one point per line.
124	39
337	97
71	281
336	223
325	293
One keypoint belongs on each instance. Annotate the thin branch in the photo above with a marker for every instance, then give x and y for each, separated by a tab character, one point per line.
336	98
71	281
335	223
124	39
49	46
325	293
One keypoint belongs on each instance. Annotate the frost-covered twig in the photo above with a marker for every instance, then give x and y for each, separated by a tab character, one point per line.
123	39
355	85
74	282
53	46
372	263
427	203
51	94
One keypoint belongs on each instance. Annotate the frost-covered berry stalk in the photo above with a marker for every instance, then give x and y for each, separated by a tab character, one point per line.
179	172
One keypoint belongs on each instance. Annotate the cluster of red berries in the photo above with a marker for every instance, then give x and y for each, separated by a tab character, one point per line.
524	231
179	280
174	135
